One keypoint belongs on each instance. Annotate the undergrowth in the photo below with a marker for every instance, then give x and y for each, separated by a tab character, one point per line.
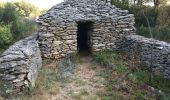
104	58
1	51
127	82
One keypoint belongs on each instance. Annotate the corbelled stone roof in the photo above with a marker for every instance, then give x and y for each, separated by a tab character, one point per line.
76	10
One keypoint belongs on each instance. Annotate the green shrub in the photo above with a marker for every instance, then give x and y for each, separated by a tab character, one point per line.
160	83
150	12
104	74
10	13
1	50
155	81
5	35
121	68
22	28
1	12
141	76
165	97
139	96
26	9
160	33
15	26
104	58
163	19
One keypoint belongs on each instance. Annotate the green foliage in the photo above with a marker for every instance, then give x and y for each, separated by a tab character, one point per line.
104	58
149	12
139	96
160	83
121	68
9	13
124	4
14	26
22	28
160	33
159	19
27	9
156	81
1	51
166	97
1	12
5	35
104	74
163	19
139	76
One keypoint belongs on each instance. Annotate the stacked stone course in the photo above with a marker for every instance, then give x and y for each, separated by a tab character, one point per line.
59	26
19	66
153	53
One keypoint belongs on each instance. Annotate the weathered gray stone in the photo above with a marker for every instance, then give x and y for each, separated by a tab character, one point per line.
65	68
152	53
19	64
109	25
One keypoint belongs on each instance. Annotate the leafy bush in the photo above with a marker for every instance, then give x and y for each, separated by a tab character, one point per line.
163	19
140	76
1	12
9	13
15	26
139	12
160	33
22	28
27	9
165	97
1	51
121	68
5	35
104	58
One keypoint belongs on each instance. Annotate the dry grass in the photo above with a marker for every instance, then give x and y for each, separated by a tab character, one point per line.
83	85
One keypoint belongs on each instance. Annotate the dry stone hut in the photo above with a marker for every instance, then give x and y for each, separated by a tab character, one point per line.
77	25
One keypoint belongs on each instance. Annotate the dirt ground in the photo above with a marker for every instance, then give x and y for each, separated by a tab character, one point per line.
83	85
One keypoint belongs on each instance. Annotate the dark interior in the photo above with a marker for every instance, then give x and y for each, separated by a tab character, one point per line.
83	36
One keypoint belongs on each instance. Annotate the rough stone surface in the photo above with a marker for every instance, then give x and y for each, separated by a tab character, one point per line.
19	65
59	26
65	68
153	53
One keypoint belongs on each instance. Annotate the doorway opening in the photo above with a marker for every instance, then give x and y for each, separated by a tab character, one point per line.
83	37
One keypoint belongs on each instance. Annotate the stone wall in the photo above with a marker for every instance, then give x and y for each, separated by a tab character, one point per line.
58	40
58	27
19	66
152	53
108	33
